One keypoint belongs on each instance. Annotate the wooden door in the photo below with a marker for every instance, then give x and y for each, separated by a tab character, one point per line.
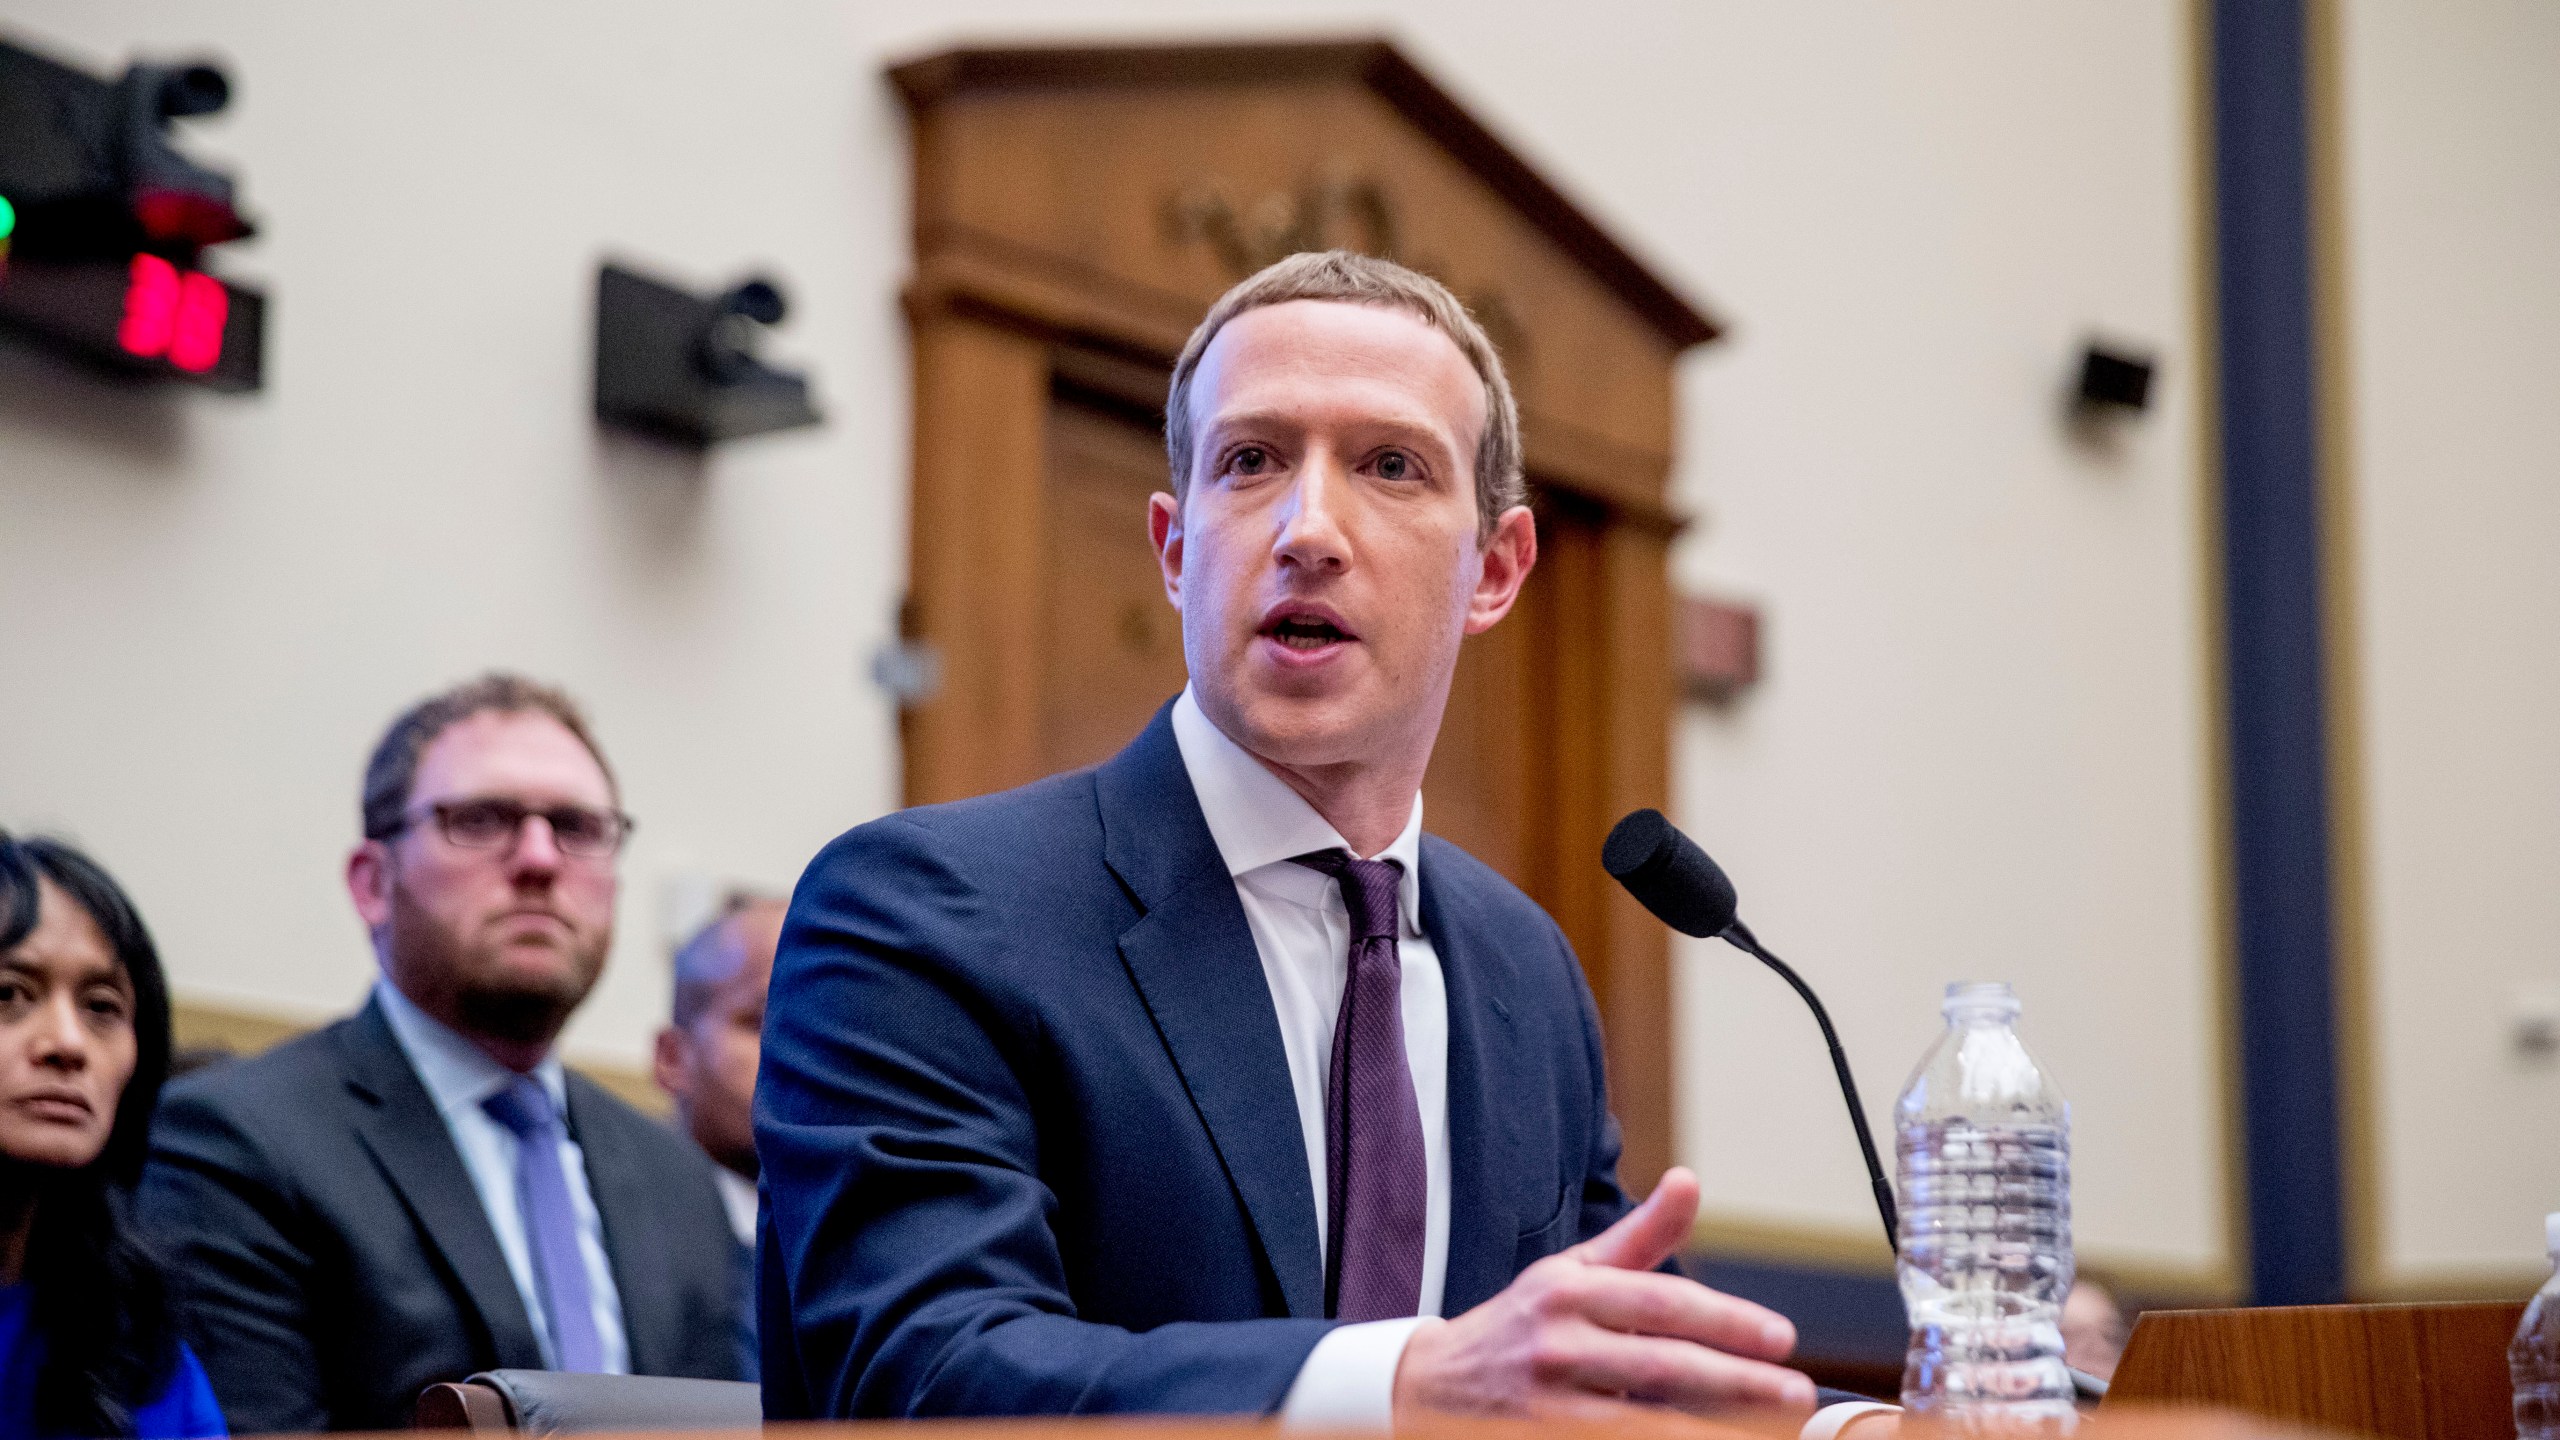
1113	644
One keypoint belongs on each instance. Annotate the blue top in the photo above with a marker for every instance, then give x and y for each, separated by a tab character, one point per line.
183	1410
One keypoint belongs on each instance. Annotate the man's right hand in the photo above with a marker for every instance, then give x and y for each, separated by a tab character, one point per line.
1585	1331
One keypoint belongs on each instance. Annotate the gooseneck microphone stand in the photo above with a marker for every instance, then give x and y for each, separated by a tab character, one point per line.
1739	935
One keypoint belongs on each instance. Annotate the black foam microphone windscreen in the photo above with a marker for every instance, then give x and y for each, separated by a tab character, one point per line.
1666	870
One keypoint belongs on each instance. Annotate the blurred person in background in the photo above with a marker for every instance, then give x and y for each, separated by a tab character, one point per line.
706	1059
2094	1326
88	1343
421	1191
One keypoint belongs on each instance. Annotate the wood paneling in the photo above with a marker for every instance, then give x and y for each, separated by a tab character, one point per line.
2408	1372
975	552
1076	211
1639	687
1111	646
216	1031
1374	65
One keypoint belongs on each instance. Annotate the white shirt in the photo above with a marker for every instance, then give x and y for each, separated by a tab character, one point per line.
738	1197
458	1076
1302	930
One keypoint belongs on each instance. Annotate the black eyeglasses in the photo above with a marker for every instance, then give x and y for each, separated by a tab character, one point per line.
494	824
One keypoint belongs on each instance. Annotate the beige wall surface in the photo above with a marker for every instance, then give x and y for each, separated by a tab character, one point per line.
1980	750
2450	214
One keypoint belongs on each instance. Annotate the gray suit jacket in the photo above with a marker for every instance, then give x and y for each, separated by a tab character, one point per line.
331	1259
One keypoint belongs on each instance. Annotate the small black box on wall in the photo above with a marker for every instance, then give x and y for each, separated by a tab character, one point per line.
683	367
2114	379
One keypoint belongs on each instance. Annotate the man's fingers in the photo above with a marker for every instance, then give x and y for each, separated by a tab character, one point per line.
1589	1408
1641	1302
1670	1372
1650	1233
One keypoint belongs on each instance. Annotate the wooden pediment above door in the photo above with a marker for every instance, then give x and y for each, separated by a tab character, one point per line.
1076	211
1117	190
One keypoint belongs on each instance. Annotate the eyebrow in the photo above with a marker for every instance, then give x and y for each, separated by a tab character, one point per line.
112	973
1222	423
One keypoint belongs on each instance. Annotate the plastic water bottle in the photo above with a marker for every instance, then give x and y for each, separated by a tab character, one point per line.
1984	1157
2534	1358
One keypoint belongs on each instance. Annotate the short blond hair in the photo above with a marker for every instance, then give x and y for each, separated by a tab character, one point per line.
1352	278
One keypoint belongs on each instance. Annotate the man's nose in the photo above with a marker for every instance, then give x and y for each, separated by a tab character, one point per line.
537	849
1311	530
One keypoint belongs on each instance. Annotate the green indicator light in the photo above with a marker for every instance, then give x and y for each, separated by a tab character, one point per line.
8	218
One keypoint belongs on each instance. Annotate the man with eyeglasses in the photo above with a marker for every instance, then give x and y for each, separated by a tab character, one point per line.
421	1191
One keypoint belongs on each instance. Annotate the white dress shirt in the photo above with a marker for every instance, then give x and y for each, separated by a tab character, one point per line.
1302	931
738	1198
458	1076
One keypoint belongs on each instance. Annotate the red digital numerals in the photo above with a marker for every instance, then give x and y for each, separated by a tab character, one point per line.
173	314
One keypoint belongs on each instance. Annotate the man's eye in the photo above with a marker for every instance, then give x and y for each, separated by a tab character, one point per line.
483	820
1249	460
1394	465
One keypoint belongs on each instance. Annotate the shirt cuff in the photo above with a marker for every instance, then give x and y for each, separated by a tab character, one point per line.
1349	1379
1830	1420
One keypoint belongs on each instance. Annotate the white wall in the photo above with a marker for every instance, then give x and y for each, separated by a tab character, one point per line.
2451	120
1981	747
1979	750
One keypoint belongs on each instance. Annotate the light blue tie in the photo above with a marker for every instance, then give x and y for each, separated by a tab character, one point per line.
550	1223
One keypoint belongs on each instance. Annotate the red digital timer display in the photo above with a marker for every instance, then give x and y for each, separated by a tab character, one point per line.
143	314
173	314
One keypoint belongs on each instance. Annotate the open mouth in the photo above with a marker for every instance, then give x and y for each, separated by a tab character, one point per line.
1306	630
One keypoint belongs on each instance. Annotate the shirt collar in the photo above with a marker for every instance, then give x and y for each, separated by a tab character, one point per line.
458	1074
1258	822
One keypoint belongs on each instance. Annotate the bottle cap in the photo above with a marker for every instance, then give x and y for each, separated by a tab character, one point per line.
1992	999
2551	1236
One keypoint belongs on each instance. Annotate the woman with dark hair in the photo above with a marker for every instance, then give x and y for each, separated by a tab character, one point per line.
87	1343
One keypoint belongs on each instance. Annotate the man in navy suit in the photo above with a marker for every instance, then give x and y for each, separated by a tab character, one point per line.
1203	1081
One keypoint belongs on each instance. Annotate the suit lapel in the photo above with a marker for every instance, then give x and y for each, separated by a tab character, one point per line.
1483	1148
1193	960
408	1140
651	1311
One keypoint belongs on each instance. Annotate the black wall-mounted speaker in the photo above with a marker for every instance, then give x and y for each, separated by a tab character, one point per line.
684	367
2113	379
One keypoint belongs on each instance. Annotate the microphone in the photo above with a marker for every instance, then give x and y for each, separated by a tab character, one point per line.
1690	893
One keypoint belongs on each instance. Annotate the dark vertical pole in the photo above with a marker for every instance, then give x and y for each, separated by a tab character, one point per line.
2273	647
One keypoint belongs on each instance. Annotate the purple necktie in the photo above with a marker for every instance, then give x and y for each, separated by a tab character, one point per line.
550	1223
1372	1124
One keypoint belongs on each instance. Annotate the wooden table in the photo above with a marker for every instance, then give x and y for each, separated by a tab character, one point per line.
2113	1423
2408	1372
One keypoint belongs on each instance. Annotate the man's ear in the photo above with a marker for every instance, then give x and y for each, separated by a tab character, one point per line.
667	1065
1506	560
369	882
1164	532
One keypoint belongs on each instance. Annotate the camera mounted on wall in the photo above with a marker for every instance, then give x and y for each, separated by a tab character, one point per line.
686	367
